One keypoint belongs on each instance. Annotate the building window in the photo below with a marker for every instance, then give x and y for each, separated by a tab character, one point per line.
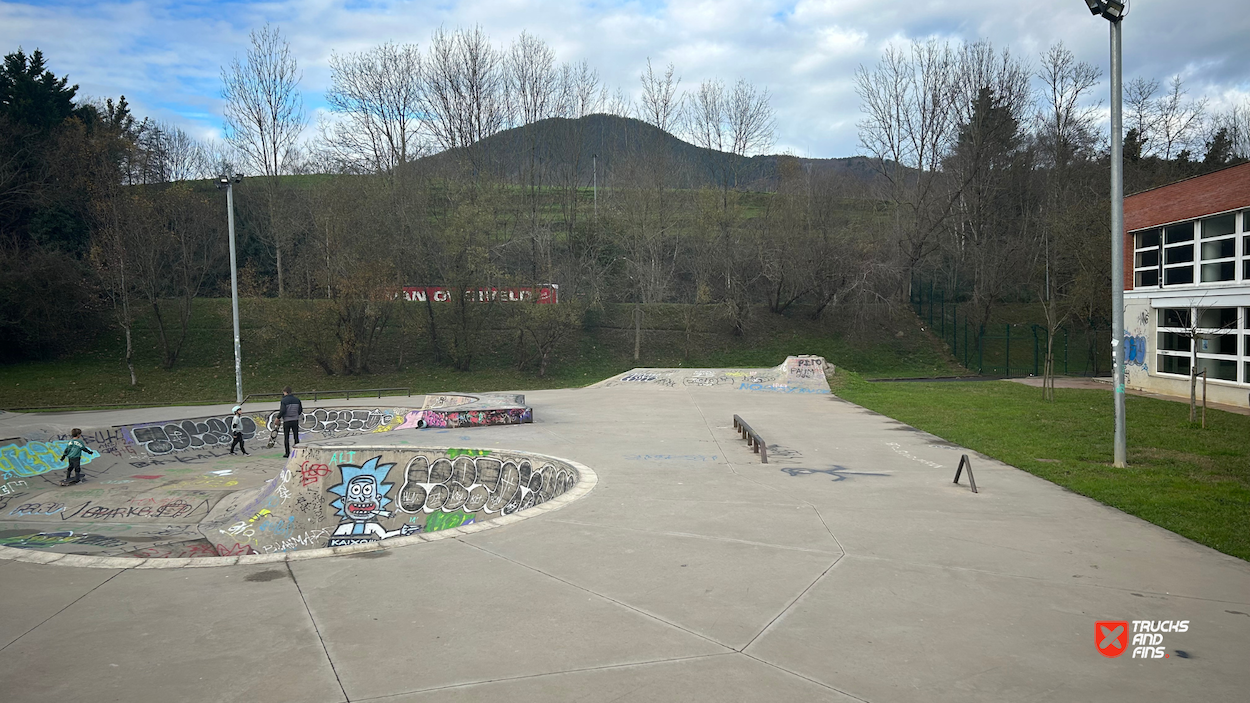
1146	258
1210	250
1219	248
1212	335
1178	254
1245	246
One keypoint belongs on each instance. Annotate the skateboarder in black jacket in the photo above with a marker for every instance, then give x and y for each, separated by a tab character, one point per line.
289	412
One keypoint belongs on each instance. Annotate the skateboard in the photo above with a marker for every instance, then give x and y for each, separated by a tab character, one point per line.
273	439
76	481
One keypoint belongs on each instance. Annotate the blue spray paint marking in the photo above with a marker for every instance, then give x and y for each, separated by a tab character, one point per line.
35	458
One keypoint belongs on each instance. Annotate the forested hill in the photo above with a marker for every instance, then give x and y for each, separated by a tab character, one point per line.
560	150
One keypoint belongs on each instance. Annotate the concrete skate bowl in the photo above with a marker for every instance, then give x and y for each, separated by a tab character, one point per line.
327	500
797	374
348	498
154	482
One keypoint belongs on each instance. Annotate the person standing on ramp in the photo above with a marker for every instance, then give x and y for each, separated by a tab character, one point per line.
236	430
73	450
289	412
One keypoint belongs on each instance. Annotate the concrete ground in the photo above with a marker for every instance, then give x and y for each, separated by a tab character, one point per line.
848	568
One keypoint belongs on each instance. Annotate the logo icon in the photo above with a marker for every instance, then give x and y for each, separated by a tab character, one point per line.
1111	637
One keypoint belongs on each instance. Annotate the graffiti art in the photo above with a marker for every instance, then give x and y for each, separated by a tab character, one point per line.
361	501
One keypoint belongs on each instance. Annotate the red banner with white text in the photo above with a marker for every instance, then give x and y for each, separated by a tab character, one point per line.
544	294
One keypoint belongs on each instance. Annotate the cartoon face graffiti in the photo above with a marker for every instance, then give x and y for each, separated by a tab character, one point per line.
361	502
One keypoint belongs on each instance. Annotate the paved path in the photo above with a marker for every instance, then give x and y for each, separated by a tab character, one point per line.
848	568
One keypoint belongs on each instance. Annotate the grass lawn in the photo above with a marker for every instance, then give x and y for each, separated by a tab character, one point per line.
1192	481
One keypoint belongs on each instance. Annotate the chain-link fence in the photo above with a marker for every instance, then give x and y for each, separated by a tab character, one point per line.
1009	348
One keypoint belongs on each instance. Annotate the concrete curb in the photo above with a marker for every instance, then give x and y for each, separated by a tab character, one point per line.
586	482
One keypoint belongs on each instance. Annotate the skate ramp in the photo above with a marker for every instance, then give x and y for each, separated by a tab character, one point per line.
344	496
466	410
797	374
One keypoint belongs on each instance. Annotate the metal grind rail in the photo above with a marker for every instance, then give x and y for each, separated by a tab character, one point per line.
753	438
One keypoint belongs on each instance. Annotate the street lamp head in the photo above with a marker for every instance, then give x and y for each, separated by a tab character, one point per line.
222	181
1113	10
238	178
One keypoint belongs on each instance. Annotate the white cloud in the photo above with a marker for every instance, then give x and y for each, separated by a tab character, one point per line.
166	56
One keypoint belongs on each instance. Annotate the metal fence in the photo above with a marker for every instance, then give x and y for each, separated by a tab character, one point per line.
1010	349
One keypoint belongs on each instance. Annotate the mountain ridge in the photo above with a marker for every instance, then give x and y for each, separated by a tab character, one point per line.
629	152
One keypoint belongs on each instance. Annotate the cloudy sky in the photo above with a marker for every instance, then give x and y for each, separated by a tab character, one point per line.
166	56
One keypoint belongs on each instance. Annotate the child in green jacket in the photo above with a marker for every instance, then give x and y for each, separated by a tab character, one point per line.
73	451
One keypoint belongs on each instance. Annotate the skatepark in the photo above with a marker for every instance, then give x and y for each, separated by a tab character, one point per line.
619	542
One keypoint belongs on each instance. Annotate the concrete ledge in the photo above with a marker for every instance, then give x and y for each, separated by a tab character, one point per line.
587	480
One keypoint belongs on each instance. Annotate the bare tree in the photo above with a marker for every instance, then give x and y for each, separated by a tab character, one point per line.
376	95
265	116
618	103
660	105
1141	112
581	95
533	86
173	243
1179	120
1235	121
909	125
220	157
732	124
1065	121
1066	131
164	153
112	255
465	98
534	93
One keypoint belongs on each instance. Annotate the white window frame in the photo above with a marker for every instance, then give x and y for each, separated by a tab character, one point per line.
1202	241
1240	357
1240	257
1157	268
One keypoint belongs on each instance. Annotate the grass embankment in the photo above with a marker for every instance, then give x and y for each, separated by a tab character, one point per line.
97	376
1192	481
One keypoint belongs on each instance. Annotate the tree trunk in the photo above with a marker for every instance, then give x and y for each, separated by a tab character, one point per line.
130	360
1193	378
637	331
277	247
160	330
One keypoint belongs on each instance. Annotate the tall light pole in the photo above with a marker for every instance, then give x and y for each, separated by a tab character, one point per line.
227	182
594	183
1115	11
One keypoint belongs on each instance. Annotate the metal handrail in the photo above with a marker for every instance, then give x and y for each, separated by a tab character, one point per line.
753	438
965	461
348	393
106	406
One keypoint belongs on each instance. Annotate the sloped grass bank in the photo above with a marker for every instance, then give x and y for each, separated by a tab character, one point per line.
1192	481
673	335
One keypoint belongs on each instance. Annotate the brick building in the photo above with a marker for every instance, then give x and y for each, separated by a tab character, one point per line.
1187	280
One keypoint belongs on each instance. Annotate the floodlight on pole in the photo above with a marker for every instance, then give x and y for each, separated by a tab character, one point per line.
1115	11
1110	9
228	182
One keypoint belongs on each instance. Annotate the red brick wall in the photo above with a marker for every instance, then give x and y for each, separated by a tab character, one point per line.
1228	189
1128	253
